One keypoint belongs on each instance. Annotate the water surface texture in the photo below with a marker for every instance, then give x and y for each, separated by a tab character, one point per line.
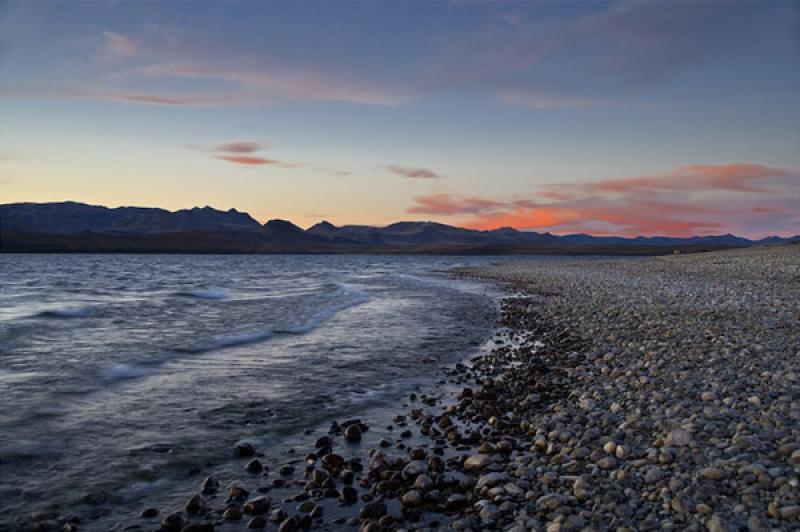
118	373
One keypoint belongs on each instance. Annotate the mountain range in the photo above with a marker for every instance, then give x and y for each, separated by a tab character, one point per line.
78	227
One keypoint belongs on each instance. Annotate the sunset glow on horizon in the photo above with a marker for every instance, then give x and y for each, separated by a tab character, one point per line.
625	119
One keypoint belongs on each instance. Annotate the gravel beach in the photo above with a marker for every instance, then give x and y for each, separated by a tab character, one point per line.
617	394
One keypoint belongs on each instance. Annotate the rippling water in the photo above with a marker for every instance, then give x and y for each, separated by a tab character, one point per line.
108	360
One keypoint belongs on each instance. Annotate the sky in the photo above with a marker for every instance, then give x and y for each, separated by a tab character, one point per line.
642	118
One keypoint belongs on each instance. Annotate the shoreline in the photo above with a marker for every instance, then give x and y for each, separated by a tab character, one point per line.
635	394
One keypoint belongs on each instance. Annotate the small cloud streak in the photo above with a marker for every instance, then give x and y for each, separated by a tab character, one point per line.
413	172
239	147
252	160
747	198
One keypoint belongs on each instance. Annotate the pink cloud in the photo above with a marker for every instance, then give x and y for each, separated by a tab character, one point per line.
252	160
412	172
744	198
449	204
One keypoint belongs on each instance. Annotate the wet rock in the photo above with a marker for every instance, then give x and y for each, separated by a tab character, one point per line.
149	512
477	462
332	461
243	450
254	466
196	504
348	495
257	506
198	527
373	510
210	485
352	433
412	498
173	522
232	514
257	522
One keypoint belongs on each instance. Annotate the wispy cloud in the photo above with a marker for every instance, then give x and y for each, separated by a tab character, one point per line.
412	172
117	46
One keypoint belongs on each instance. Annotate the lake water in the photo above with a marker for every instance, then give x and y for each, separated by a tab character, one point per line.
118	373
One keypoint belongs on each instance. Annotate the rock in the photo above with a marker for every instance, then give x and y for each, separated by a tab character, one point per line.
608	462
414	468
477	462
290	524
491	480
550	502
198	527
286	470
411	498
352	433
712	473
232	514
257	522
173	522
789	512
254	466
149	512
348	495
324	441
718	524
257	506
332	461
653	475
210	485
196	504
678	438
237	492
423	483
243	450
373	510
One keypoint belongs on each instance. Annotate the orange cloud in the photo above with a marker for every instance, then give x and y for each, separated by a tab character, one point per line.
691	200
413	172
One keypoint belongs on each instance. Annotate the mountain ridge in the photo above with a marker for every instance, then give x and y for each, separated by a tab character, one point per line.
74	226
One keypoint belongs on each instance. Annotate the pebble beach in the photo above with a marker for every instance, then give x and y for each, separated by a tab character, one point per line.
621	394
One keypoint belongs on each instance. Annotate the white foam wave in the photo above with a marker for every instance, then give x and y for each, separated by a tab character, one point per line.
117	372
207	293
347	296
241	339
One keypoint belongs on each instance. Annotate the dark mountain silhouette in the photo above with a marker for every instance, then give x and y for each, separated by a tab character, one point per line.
77	227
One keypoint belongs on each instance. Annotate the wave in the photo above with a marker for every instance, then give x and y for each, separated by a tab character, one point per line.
65	313
347	296
207	293
241	339
118	372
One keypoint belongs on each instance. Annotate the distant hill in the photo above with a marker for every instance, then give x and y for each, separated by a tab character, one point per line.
77	227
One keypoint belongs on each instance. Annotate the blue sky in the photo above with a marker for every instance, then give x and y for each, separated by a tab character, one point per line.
612	118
